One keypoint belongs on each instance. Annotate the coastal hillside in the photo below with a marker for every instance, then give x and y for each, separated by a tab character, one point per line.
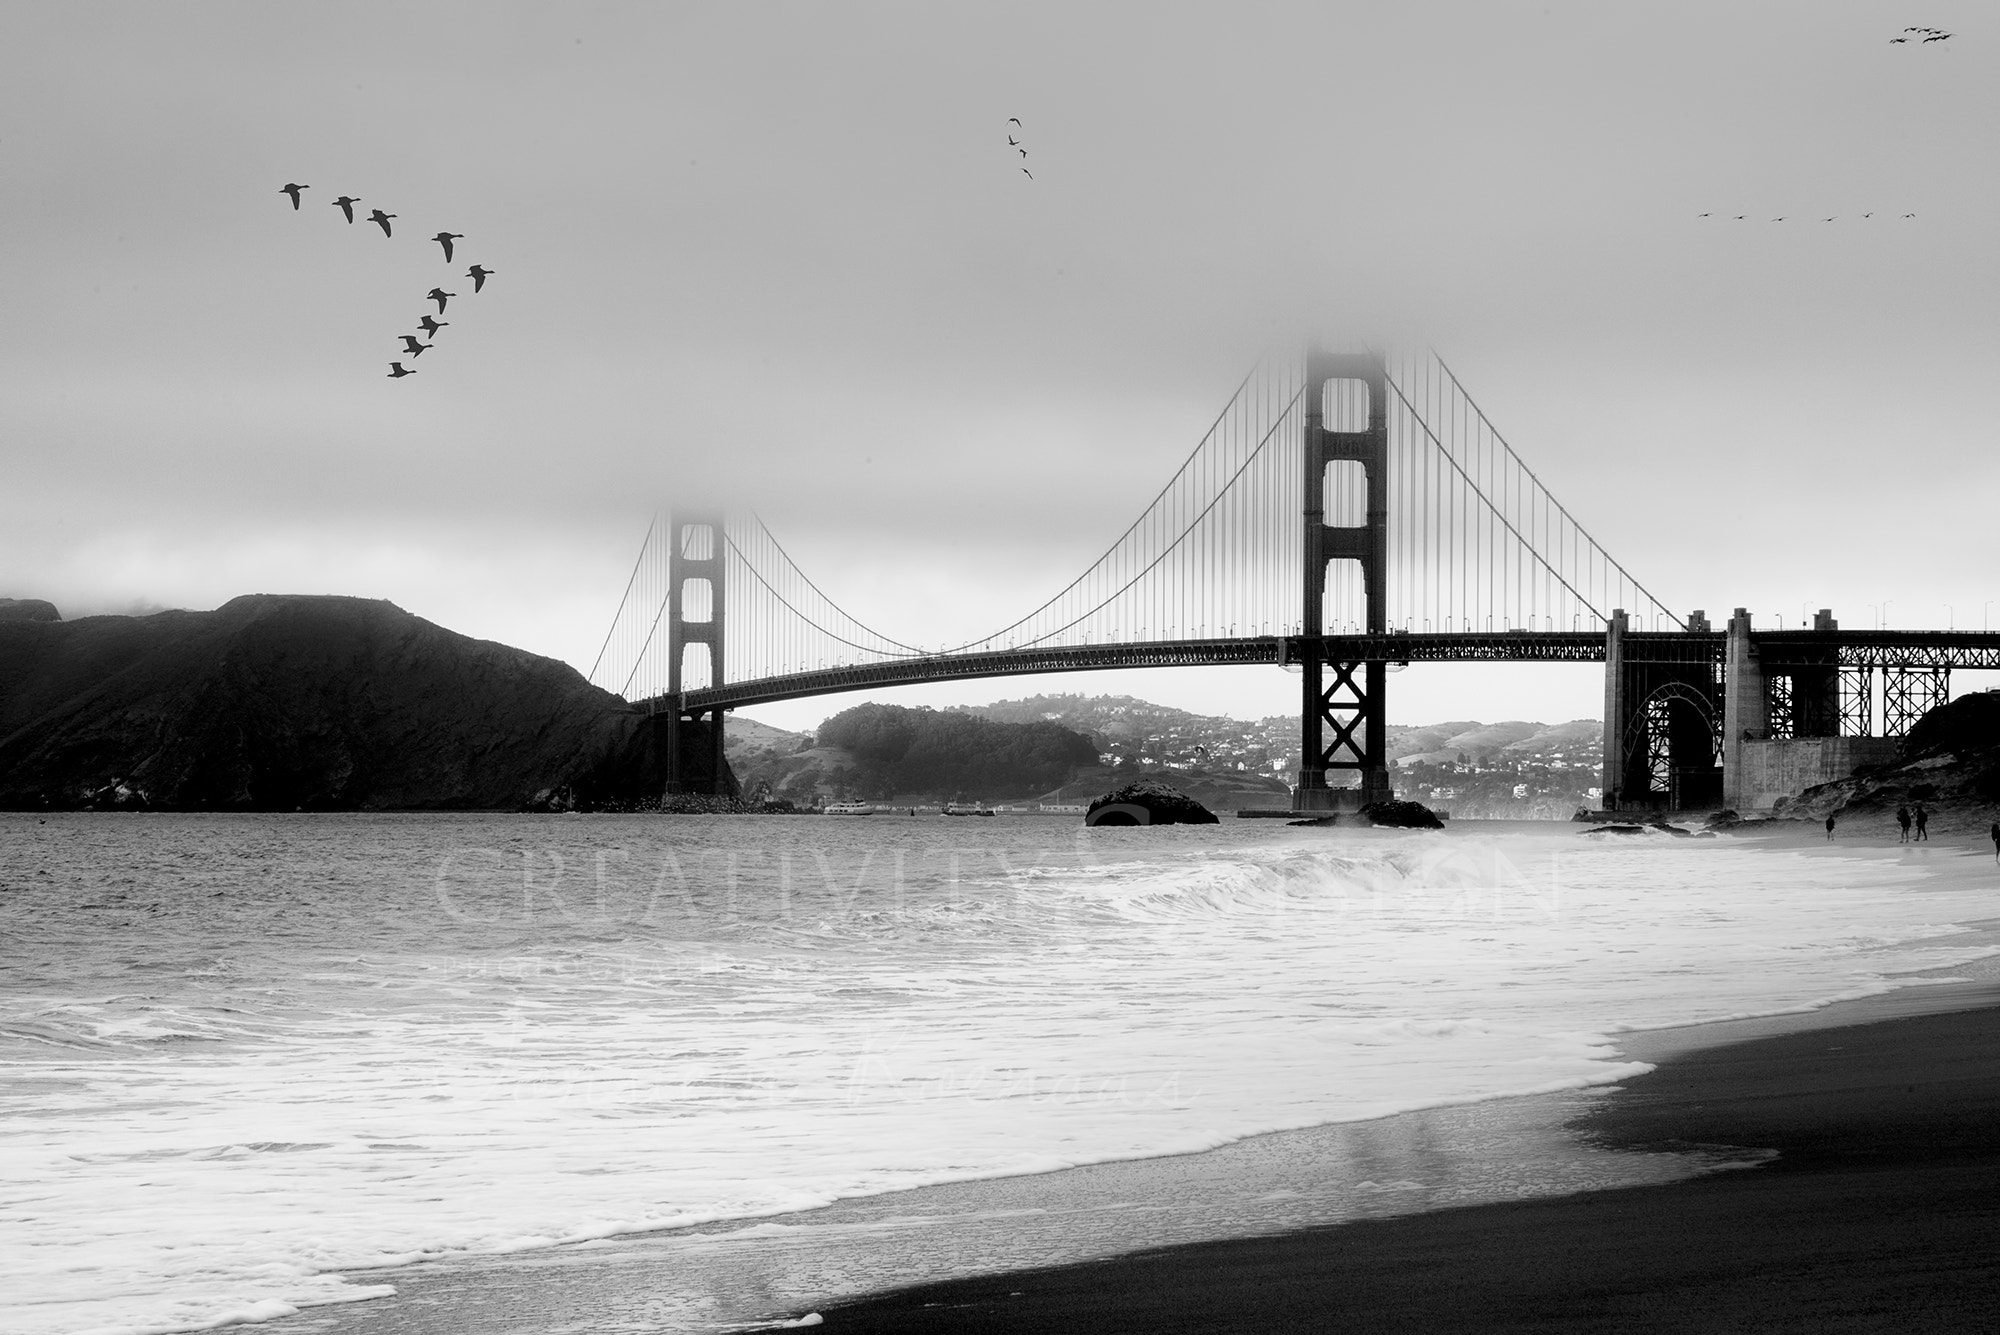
1139	732
1471	769
882	752
286	702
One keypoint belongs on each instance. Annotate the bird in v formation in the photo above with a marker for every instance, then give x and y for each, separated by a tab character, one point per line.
412	346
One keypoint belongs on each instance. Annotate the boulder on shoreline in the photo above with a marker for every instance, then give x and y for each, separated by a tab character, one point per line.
1403	815
1148	802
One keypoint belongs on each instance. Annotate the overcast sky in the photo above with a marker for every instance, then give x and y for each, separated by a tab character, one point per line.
782	254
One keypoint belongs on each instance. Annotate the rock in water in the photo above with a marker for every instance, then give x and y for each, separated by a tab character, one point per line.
278	703
1402	815
1148	802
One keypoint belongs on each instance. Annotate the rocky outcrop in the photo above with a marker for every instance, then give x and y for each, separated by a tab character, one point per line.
293	702
1148	802
1951	765
1402	815
28	609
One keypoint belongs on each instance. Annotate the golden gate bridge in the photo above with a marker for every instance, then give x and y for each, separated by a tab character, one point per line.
1343	513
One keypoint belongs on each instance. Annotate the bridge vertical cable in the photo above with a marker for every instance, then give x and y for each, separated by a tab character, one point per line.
1477	545
632	661
781	622
1216	553
1482	546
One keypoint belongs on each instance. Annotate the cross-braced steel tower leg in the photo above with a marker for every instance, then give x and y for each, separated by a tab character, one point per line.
694	617
1342	723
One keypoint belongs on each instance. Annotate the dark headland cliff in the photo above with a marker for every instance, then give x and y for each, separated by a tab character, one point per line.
282	702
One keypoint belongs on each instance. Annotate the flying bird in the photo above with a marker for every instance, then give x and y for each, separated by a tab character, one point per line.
293	191
396	371
431	327
1938	37
438	295
412	346
479	273
445	239
346	205
382	220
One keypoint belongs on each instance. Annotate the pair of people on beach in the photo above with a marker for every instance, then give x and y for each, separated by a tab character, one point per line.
1923	823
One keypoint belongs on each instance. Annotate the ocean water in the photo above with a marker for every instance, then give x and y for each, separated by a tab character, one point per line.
248	1061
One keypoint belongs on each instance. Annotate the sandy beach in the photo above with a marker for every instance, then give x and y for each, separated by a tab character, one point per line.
1877	1206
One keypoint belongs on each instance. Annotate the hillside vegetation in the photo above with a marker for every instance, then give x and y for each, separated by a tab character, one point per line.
887	751
289	702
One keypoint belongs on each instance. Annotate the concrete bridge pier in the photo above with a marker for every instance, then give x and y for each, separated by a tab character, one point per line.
1662	717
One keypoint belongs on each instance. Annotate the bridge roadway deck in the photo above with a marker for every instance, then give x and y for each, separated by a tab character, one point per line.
1851	648
1395	647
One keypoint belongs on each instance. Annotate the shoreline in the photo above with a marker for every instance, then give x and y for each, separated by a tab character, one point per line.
1875	1207
1880	1213
1418	1164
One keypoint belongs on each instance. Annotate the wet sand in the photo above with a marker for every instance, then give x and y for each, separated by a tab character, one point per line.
1879	1211
1487	1216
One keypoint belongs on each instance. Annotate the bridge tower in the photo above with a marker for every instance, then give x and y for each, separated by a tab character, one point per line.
694	759
1341	711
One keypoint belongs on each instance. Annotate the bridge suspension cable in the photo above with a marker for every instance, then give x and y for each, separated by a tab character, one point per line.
1477	544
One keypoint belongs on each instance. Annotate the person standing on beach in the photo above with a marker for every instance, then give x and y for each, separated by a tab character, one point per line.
1903	819
1923	823
1996	841
1829	827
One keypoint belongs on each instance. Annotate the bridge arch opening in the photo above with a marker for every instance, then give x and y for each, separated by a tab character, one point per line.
697	667
1344	494
697	542
1344	404
697	600
1673	742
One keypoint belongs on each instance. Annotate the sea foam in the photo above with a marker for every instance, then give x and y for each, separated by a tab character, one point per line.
248	1060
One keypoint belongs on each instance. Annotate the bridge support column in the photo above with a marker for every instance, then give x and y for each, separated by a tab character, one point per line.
1745	708
1615	712
1342	721
695	762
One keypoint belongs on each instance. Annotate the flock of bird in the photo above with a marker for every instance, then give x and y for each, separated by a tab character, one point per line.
1919	35
1741	217
1014	143
413	347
